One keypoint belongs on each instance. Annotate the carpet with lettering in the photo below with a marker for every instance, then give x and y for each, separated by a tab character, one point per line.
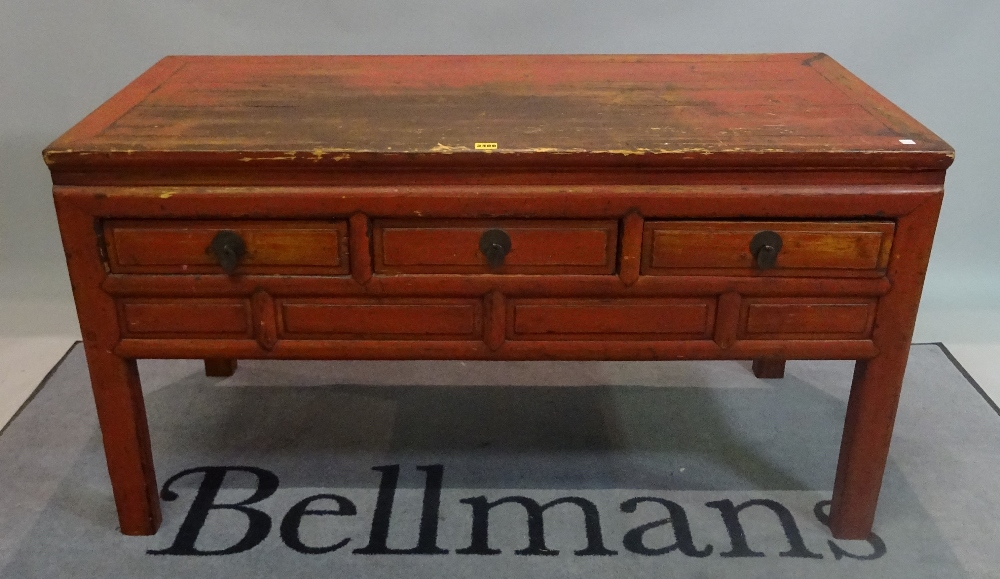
476	469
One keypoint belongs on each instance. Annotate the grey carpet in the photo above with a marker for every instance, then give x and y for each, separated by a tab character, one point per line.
618	444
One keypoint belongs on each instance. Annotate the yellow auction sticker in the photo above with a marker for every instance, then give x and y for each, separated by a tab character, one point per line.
486	146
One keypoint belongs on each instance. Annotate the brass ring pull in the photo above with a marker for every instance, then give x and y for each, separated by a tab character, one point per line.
228	248
765	247
495	245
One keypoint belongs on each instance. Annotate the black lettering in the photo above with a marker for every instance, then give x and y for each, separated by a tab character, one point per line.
634	541
536	526
259	523
876	542
740	548
427	539
293	519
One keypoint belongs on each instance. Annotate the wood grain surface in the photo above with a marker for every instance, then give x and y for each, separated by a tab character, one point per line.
374	319
540	110
538	246
841	248
805	318
611	319
202	317
288	247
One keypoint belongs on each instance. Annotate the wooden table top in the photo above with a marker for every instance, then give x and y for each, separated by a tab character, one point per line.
758	111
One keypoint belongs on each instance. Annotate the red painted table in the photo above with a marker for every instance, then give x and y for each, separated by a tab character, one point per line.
763	207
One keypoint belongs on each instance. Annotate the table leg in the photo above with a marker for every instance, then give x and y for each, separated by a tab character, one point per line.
864	449
122	415
871	409
769	368
220	367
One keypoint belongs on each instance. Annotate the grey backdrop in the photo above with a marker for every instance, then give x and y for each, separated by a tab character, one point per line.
938	59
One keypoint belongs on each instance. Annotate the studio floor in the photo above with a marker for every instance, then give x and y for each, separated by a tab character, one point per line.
625	441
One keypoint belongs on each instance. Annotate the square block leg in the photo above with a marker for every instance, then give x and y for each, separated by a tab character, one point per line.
220	367
769	368
864	449
122	415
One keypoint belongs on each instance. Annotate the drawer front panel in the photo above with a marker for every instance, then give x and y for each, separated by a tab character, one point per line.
373	319
610	319
272	247
195	317
807	318
537	246
837	248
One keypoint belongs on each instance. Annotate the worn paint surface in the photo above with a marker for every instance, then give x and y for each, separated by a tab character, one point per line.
337	110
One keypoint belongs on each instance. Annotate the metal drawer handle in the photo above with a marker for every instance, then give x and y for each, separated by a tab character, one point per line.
228	248
765	247
495	245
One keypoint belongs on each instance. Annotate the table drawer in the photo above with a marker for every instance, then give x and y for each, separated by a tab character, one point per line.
724	247
806	318
380	319
272	247
611	319
185	318
535	246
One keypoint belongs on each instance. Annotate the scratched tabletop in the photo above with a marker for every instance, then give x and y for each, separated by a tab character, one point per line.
639	110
